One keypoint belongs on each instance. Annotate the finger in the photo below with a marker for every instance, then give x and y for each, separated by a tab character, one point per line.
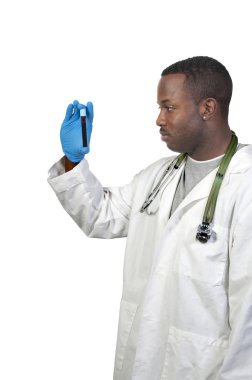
81	106
76	110
90	111
69	112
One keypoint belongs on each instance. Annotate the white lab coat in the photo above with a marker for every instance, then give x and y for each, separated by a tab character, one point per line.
186	308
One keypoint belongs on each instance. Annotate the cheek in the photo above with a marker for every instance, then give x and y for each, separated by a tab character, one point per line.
188	124
180	125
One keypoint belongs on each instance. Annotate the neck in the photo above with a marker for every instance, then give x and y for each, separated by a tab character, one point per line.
213	145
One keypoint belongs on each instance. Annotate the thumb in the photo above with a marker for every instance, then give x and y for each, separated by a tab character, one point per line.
76	109
69	112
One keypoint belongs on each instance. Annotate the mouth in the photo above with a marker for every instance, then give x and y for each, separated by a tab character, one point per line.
164	135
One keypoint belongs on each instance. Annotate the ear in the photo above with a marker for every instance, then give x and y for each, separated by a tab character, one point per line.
208	108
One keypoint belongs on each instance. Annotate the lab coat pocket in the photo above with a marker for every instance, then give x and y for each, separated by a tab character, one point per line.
126	318
203	262
192	357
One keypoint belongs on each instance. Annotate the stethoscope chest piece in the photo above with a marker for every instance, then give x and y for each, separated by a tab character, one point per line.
205	232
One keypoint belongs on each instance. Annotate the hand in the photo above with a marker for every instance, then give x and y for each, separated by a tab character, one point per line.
71	131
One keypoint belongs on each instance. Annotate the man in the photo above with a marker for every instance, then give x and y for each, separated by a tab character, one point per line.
186	308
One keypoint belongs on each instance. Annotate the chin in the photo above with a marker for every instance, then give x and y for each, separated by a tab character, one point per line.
174	148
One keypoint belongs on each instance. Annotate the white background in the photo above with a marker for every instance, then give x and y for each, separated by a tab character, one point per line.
60	291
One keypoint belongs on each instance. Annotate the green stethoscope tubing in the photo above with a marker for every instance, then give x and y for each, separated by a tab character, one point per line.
204	229
212	198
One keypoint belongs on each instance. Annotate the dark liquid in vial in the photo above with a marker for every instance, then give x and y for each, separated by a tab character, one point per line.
84	131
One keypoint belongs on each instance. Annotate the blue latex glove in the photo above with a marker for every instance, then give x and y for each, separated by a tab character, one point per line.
71	131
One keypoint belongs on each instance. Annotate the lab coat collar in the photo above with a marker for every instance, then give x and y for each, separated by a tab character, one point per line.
241	161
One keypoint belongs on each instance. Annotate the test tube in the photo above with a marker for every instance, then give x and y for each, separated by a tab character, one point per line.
83	126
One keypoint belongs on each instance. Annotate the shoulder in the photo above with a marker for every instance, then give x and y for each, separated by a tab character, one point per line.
242	160
147	177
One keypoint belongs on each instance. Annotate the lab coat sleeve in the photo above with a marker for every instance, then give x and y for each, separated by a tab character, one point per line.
98	211
238	360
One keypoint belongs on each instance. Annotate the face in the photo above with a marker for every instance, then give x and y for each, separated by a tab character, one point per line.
180	120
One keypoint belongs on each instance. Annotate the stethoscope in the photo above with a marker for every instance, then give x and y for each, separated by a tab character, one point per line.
205	229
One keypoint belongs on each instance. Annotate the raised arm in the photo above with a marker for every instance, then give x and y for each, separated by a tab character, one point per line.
99	212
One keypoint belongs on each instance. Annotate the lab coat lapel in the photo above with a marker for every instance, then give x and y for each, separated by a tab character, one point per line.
202	189
163	201
170	186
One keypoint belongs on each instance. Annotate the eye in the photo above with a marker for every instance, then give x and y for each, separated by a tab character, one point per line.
168	108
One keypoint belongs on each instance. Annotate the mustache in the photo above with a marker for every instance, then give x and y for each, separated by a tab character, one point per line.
163	131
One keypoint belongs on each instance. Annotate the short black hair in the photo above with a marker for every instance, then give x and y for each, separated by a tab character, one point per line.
205	78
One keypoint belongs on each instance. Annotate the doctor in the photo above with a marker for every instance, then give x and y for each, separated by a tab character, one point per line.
186	308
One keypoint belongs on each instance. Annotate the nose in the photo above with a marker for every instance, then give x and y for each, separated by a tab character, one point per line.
161	119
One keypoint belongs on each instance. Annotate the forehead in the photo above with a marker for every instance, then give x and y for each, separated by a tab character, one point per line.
172	87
